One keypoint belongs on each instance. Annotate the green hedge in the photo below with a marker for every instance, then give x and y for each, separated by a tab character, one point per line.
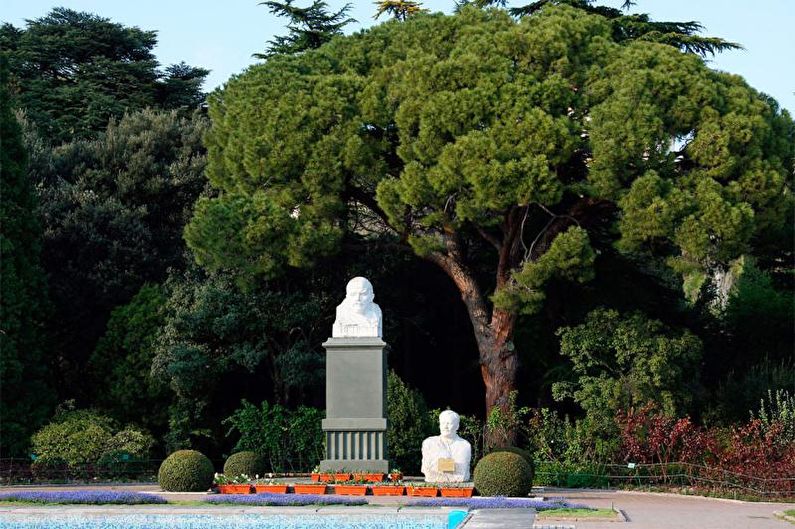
186	471
246	462
503	474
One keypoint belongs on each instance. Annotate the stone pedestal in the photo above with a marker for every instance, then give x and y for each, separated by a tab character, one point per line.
355	423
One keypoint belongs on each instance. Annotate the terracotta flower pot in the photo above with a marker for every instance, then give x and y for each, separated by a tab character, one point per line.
370	477
388	490
234	489
350	490
456	492
342	476
306	488
274	489
395	476
315	477
426	492
324	478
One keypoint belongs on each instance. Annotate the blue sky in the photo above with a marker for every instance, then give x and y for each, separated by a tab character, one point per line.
222	36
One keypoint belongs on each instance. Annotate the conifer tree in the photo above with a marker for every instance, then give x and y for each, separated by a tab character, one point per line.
398	9
24	388
309	27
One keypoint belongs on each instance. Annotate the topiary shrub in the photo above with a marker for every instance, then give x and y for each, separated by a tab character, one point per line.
503	474
522	452
246	462
186	471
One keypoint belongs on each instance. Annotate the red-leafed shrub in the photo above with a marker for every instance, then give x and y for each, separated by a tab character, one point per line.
755	456
648	436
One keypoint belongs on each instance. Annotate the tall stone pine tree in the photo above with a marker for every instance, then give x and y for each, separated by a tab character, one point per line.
498	149
309	27
25	397
73	71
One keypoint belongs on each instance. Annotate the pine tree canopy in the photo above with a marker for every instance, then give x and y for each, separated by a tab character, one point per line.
458	133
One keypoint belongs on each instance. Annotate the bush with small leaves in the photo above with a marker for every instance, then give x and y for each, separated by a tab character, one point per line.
522	452
246	462
503	474
186	471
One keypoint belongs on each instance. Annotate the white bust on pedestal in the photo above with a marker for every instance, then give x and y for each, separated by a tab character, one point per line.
446	457
357	315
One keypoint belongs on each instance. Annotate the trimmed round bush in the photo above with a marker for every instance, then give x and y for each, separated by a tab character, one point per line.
246	462
503	474
186	471
522	452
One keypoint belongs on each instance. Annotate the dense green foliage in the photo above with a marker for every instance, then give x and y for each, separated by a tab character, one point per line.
263	430
122	361
213	330
503	474
82	436
621	362
113	211
73	71
26	395
186	471
246	462
409	423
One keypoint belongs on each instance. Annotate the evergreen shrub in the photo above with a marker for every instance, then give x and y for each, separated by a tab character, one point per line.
247	462
526	455
186	471
503	474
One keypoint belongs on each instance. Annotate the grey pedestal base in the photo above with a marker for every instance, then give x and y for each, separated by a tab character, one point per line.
355	424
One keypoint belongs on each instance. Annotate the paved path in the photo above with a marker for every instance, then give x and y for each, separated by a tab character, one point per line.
671	511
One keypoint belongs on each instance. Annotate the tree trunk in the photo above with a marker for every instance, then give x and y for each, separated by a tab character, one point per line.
493	334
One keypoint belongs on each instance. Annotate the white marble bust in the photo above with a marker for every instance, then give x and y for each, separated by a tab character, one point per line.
357	315
439	450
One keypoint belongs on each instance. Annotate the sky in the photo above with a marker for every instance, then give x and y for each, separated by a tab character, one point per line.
222	36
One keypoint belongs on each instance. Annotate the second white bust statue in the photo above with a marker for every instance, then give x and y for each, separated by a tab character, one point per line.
446	457
357	315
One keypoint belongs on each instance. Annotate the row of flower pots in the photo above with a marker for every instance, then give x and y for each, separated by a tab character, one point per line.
332	477
356	489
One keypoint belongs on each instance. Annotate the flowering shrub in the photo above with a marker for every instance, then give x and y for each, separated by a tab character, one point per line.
93	497
497	502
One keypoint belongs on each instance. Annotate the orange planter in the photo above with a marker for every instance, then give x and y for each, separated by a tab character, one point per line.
234	489
342	476
309	489
350	490
388	490
273	489
427	492
370	478
456	492
396	476
315	477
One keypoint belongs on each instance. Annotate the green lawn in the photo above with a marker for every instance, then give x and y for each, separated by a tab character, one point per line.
790	512
577	513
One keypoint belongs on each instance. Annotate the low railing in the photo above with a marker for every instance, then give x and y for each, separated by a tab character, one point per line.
686	475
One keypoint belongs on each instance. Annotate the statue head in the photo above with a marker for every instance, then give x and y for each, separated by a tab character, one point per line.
448	423
359	294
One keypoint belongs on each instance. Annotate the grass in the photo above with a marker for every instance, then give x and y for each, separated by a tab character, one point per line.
790	512
586	512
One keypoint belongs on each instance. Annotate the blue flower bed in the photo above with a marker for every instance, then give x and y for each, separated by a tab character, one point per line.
91	497
240	521
266	498
496	503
